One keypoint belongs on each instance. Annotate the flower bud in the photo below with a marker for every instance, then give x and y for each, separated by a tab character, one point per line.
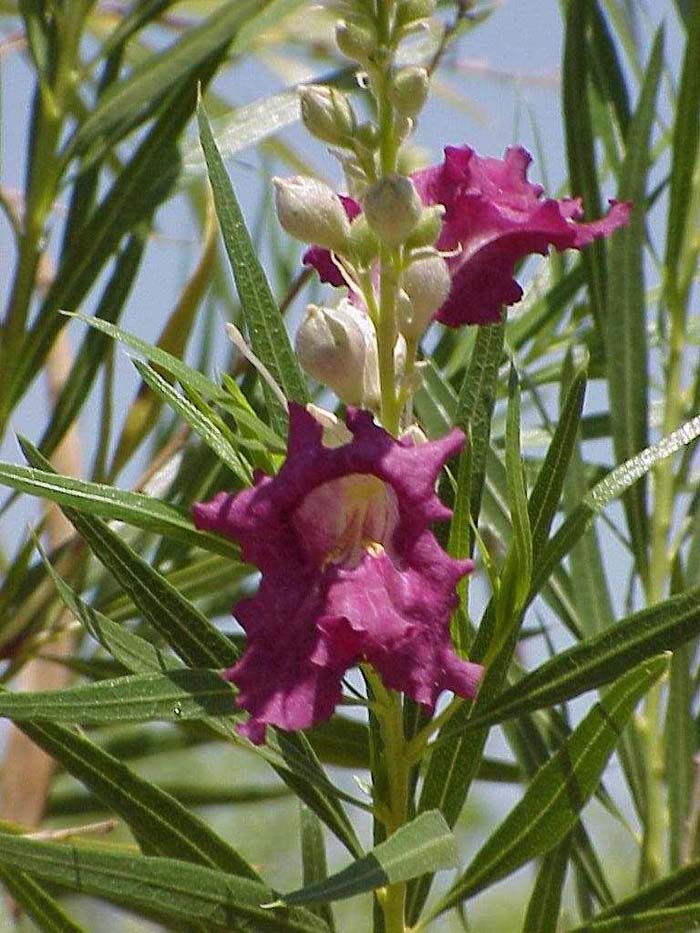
311	212
355	41
409	11
393	208
334	346
426	284
364	246
409	91
428	228
327	114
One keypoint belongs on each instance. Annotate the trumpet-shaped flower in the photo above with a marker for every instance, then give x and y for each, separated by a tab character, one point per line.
350	573
493	218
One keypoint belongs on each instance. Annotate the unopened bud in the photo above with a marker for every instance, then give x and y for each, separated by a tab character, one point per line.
335	346
393	208
364	246
410	11
355	41
311	212
426	284
409	91
428	227
327	114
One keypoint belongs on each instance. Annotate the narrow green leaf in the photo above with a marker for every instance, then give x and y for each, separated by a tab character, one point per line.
69	804
517	569
173	696
313	858
155	77
268	335
545	901
559	790
546	493
183	626
133	508
580	146
424	844
202	423
626	325
181	371
473	415
154	816
611	75
76	389
162	888
681	919
679	738
44	910
686	139
604	492
139	188
598	660
245	127
679	887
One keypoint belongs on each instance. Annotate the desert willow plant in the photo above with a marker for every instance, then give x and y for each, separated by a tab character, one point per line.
347	534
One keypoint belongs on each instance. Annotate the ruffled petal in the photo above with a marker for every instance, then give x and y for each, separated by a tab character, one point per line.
494	217
328	600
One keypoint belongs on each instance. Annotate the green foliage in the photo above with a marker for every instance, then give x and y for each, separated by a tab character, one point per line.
576	493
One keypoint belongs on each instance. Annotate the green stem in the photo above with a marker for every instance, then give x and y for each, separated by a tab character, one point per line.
394	809
659	572
43	176
386	339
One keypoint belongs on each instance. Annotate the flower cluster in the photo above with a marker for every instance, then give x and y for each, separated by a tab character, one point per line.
493	217
351	572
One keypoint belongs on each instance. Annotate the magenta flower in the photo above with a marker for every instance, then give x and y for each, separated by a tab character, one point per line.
350	572
493	218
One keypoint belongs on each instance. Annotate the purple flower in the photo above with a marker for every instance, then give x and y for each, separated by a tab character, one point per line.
493	218
350	572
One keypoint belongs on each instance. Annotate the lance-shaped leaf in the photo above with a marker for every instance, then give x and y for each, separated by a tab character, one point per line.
543	907
604	492
597	661
46	912
558	792
183	626
424	844
161	888
201	421
174	696
268	335
313	858
626	328
680	887
680	919
156	818
155	77
132	508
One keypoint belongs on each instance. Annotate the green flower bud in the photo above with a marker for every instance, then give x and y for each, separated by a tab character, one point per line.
428	228
393	208
338	347
409	91
410	11
426	285
327	114
312	212
364	246
355	41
